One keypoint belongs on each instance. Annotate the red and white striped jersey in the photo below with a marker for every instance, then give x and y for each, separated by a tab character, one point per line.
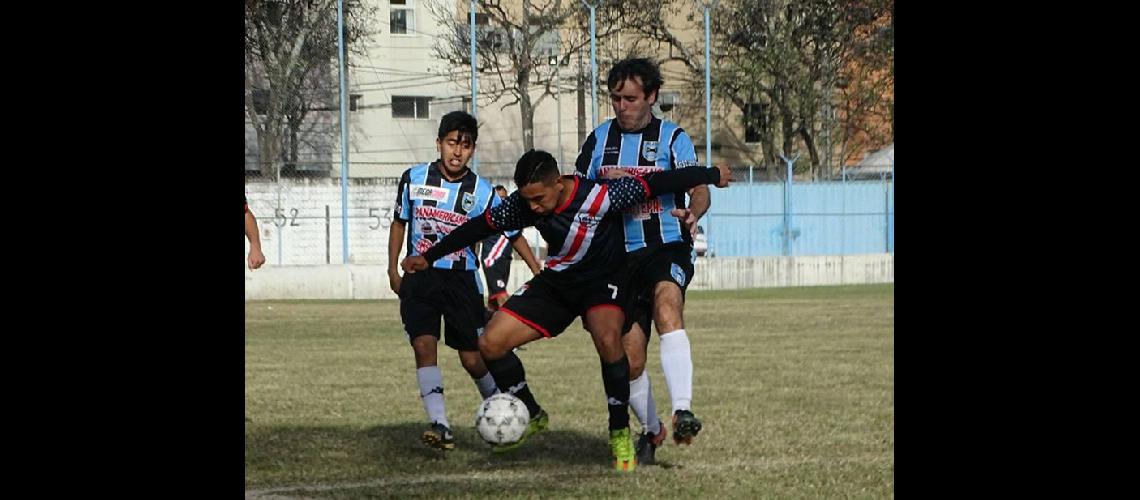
584	235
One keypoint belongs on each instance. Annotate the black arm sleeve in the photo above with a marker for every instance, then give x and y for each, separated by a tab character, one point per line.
681	179
463	236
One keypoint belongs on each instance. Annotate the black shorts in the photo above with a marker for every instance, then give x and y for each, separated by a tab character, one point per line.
550	309
672	262
455	295
497	277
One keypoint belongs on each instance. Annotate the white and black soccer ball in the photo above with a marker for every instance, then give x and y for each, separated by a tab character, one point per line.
501	419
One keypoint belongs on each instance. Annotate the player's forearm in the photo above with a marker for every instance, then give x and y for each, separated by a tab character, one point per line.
699	201
395	244
251	231
523	248
463	236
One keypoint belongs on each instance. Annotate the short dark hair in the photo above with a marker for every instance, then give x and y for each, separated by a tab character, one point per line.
640	67
500	187
459	121
535	165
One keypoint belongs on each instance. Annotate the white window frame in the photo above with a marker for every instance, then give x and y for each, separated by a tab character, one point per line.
410	7
415	107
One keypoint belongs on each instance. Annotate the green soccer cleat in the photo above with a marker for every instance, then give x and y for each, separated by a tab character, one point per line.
438	436
535	426
621	445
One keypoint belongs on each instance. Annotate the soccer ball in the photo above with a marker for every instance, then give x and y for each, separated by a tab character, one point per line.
501	419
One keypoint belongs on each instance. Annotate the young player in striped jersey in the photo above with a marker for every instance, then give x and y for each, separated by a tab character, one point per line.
433	199
658	237
579	219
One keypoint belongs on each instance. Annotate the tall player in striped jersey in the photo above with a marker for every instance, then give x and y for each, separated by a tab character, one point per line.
581	219
435	198
658	237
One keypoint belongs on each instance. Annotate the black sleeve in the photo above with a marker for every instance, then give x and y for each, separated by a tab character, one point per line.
463	236
631	190
682	179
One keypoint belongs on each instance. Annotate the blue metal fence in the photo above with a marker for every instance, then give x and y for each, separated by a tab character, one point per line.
826	218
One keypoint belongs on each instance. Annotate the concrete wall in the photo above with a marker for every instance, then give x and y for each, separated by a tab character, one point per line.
721	273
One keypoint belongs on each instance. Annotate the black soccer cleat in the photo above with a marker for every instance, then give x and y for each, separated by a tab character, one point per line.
647	446
685	427
438	436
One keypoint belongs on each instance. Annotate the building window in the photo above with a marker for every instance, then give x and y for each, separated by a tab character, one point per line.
402	16
411	107
354	101
755	120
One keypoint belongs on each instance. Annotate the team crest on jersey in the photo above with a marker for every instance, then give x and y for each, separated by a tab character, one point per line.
678	274
425	192
468	201
649	150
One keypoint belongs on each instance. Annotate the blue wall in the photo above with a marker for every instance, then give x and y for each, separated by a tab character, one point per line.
832	218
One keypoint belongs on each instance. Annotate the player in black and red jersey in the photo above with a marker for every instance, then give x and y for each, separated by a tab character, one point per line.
580	219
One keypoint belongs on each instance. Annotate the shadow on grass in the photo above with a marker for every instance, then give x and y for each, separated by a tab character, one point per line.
279	456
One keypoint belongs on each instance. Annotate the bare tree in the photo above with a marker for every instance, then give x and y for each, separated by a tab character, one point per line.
515	44
785	63
291	56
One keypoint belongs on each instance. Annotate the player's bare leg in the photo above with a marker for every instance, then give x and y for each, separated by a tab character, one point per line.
472	361
676	359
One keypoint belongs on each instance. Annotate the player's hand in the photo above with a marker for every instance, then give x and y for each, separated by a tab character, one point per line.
256	259
687	217
725	175
617	173
414	263
394	280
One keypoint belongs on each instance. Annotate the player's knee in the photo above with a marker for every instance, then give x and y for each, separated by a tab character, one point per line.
491	349
636	367
424	344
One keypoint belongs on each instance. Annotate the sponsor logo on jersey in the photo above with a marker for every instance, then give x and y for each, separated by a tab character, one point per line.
678	274
468	202
644	211
427	228
649	150
686	163
425	192
445	216
633	170
587	220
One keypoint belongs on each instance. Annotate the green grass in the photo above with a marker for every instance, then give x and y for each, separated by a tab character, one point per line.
794	386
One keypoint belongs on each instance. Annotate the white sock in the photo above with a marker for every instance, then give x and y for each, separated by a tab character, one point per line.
677	363
486	385
641	402
431	391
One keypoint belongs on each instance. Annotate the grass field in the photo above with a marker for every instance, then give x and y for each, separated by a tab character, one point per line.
794	385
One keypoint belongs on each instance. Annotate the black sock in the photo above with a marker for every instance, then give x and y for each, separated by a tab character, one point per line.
511	378
615	378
